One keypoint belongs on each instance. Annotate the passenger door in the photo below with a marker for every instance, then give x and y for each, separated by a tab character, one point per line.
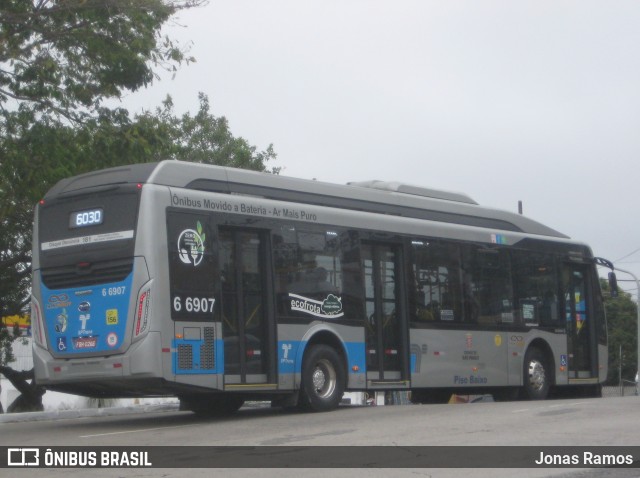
385	322
247	323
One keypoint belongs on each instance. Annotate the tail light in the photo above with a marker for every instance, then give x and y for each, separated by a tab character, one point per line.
37	327
143	310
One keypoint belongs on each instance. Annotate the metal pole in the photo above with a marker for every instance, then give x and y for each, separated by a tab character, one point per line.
620	384
638	317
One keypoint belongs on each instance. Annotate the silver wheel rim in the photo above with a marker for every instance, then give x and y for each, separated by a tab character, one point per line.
324	379
537	377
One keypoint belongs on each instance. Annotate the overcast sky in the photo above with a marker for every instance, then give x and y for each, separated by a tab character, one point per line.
508	100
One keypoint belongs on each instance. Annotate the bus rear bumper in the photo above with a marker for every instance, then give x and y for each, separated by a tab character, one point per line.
143	360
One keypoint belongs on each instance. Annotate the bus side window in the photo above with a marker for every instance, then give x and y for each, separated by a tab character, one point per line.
308	267
487	285
436	282
536	283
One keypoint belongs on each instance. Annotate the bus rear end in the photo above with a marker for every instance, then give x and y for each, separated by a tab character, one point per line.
91	292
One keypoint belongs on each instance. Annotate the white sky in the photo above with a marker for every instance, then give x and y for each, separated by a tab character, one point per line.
508	100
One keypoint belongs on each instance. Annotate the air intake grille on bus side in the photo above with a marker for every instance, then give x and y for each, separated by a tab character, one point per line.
207	361
185	357
95	273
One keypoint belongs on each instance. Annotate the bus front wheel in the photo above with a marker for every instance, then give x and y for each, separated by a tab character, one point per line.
323	379
537	375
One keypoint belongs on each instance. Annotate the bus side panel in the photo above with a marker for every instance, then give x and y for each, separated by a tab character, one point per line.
197	354
151	243
452	358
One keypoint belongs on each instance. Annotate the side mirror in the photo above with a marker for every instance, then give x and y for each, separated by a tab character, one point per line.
613	284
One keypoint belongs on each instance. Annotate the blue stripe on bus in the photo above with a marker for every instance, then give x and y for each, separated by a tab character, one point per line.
356	357
197	365
290	356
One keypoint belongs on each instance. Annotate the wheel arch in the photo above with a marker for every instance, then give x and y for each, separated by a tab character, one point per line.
544	347
321	336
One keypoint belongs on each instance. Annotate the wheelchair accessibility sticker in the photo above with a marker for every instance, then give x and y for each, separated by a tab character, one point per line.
62	344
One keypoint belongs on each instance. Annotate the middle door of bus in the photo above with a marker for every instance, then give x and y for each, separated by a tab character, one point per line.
384	321
246	317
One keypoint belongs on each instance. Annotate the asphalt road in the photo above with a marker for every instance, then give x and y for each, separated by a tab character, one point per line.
572	422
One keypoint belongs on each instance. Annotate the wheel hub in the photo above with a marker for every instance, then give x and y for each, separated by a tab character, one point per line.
537	376
324	379
318	379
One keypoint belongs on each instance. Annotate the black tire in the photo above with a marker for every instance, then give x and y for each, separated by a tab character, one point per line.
323	379
537	375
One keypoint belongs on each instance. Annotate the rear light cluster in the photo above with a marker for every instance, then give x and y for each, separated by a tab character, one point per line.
143	309
37	327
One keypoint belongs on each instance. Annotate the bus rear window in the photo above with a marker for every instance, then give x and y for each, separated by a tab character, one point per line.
88	227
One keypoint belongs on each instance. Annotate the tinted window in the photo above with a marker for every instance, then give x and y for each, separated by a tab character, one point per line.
314	276
487	289
536	284
62	242
436	290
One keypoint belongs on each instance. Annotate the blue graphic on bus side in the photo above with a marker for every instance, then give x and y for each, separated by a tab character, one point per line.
89	319
290	356
197	357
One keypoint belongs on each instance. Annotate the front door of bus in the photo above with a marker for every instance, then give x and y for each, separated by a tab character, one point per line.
384	349
244	306
578	321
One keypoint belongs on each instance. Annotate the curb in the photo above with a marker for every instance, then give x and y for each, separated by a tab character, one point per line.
85	413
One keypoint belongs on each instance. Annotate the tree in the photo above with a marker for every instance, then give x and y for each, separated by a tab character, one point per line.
57	150
622	329
59	61
67	56
202	138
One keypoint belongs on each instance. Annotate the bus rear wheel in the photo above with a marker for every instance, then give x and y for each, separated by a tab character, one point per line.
537	375
323	379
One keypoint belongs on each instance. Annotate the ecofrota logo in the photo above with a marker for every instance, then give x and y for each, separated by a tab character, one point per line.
191	245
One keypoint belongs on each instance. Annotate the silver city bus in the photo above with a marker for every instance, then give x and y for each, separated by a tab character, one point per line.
218	285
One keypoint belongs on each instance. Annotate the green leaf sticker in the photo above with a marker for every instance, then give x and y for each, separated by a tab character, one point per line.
199	228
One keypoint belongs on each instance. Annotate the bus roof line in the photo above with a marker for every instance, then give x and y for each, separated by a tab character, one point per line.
373	196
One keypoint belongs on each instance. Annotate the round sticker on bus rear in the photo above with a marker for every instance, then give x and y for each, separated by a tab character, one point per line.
112	339
191	245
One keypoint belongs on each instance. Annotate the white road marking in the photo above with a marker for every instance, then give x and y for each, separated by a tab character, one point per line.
141	430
